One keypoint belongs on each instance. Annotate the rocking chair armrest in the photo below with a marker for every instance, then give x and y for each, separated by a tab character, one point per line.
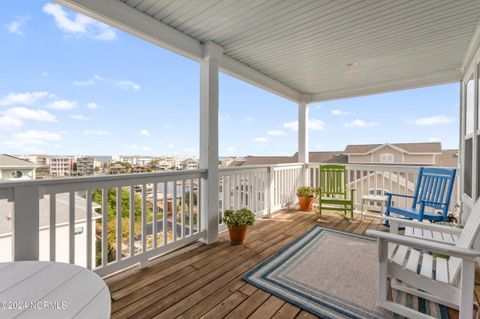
400	195
429	226
425	245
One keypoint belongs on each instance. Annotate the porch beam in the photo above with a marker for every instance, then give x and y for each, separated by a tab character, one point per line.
209	69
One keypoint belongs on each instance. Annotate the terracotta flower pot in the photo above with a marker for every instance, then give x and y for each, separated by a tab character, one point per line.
306	203
237	234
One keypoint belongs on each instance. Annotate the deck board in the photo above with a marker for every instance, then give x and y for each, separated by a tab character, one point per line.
200	281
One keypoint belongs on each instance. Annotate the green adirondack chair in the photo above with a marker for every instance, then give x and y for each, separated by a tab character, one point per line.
332	193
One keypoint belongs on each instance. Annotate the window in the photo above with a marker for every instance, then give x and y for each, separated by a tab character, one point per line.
468	135
386	158
16	174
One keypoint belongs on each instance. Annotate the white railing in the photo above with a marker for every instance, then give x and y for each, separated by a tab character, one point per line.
105	223
262	189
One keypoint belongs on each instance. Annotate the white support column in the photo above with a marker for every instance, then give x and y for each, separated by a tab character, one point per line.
303	155
25	223
209	138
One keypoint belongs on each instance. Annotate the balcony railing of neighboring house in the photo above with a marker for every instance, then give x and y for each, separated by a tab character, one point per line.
176	198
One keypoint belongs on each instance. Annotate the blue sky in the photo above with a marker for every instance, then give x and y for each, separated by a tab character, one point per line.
70	85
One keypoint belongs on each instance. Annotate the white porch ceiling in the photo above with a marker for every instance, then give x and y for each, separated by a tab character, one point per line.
307	46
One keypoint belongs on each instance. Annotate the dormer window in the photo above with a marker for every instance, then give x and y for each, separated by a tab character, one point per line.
386	158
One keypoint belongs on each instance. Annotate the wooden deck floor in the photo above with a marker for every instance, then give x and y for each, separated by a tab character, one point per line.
202	281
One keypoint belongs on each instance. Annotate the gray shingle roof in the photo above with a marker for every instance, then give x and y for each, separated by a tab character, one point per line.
14	162
62	211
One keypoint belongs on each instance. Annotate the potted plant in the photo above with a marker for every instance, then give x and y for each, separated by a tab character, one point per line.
237	222
305	197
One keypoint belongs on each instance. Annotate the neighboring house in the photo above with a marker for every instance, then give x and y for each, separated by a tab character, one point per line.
397	153
13	168
62	216
61	166
85	166
419	154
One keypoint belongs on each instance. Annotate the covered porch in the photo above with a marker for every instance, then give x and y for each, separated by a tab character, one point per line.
304	51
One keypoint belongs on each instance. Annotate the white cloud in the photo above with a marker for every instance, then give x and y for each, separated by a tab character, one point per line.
79	117
44	74
26	98
83	83
32	137
248	119
231	149
291	125
260	140
145	133
339	112
79	24
434	139
15	26
95	132
432	120
62	105
8	123
316	124
313	124
24	113
277	133
360	123
170	146
128	85
91	106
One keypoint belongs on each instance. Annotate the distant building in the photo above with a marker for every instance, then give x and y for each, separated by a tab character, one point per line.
42	165
61	166
139	169
13	168
85	166
133	160
117	169
190	163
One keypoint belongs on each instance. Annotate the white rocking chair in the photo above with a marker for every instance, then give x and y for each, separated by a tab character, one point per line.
448	282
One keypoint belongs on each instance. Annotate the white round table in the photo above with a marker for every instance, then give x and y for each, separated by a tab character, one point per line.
38	289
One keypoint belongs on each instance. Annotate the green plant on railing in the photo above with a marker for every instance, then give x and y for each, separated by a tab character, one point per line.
239	218
306	191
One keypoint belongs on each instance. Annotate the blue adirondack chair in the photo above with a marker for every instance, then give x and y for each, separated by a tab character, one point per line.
434	189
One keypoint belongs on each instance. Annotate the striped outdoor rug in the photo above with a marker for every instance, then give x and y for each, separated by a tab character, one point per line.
331	274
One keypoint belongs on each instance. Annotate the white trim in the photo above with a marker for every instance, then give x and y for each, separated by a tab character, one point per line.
431	79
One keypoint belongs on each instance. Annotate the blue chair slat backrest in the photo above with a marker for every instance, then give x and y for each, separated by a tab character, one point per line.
434	189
